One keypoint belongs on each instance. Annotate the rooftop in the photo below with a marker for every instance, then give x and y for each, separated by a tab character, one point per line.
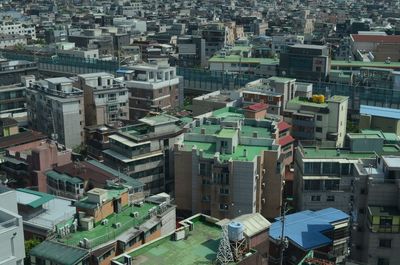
376	38
384	210
240	59
316	152
306	102
32	198
200	247
380	112
305	229
58	253
103	233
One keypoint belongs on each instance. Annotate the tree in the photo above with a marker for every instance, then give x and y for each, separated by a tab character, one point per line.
29	245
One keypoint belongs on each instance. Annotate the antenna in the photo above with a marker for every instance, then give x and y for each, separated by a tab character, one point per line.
224	254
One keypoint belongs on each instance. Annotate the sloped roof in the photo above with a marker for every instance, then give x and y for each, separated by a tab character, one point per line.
376	38
59	253
380	112
253	223
305	229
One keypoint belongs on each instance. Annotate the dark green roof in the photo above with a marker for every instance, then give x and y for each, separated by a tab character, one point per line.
58	253
44	197
63	177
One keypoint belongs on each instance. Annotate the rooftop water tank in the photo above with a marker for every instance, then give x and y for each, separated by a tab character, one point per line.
235	231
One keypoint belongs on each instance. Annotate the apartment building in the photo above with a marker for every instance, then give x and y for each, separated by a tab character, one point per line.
191	50
12	251
217	36
375	236
12	28
106	98
305	62
385	119
7	41
12	72
144	151
275	92
56	107
109	225
43	214
229	165
317	119
324	176
152	87
381	47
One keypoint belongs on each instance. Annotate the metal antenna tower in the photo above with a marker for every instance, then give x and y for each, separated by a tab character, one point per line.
224	254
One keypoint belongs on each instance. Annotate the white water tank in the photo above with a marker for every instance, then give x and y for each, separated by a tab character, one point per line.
235	231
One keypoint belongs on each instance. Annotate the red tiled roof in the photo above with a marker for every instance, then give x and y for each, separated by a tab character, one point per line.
376	38
257	107
286	140
283	126
87	172
21	138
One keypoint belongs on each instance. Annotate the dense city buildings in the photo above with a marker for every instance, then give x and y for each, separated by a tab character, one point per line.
55	107
214	132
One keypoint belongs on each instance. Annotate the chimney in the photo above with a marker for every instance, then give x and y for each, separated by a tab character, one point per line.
244	152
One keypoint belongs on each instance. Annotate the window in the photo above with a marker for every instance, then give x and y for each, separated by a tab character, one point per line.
315	198
312	184
318	129
383	261
319	117
330	198
122	93
332	184
224	191
223	206
385	243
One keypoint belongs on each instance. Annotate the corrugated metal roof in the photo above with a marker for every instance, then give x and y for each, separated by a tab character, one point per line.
380	112
305	228
58	253
253	223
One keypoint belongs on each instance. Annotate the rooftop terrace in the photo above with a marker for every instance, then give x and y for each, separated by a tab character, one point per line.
103	233
306	102
315	152
200	247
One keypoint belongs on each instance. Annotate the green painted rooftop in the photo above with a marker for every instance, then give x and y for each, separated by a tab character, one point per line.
103	233
365	64
305	102
240	59
200	247
313	152
227	133
209	150
384	211
63	177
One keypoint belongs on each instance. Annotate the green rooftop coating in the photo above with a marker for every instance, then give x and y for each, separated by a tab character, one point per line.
209	150
227	133
384	211
43	197
306	102
313	152
103	233
240	59
200	247
228	112
364	64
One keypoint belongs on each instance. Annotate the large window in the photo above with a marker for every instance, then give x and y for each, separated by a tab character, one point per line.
332	184
385	243
383	261
312	185
330	168
312	168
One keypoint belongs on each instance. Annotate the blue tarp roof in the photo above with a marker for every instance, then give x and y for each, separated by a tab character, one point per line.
380	112
305	228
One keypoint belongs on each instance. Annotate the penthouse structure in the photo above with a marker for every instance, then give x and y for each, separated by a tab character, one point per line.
144	151
318	120
232	164
55	107
151	88
106	98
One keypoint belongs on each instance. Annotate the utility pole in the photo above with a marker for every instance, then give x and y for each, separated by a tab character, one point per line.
283	243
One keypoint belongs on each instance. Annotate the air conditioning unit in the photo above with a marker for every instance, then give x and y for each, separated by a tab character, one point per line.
135	214
117	225
104	221
138	204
